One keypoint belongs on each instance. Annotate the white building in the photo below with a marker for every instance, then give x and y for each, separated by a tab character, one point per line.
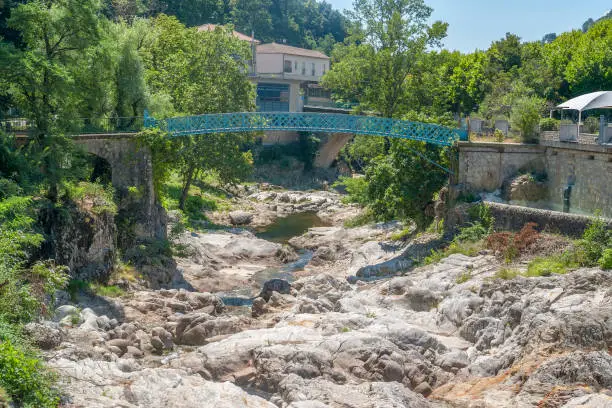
284	74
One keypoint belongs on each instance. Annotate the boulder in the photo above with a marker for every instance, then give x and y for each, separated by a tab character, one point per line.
241	217
275	285
45	335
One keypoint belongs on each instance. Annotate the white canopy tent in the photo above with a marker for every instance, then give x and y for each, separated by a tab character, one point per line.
595	100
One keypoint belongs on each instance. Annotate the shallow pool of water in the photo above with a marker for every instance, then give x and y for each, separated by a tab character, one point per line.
283	229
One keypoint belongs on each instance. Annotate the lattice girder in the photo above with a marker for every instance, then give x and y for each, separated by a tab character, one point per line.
308	122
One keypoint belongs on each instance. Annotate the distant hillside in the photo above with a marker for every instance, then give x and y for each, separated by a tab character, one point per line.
585	27
589	23
302	23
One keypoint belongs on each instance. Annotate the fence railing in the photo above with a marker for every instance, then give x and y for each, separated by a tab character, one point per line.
80	126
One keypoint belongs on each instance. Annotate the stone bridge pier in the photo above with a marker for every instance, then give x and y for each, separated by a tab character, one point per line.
330	148
140	216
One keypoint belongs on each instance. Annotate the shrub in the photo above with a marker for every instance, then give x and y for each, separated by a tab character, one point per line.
525	117
595	240
605	262
499	136
511	246
474	233
591	125
549	124
482	213
25	378
99	197
356	189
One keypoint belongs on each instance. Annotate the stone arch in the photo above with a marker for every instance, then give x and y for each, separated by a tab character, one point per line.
132	178
102	170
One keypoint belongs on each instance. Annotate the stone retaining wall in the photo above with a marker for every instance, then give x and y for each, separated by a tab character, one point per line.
513	218
483	167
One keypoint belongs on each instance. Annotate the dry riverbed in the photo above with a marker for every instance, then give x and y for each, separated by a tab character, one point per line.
445	335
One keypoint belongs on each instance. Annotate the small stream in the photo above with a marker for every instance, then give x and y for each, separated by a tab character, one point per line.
281	231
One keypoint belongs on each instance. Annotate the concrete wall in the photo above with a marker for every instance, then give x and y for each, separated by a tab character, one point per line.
275	63
485	166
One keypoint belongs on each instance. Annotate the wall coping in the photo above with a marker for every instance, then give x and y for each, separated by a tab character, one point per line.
500	147
544	144
578	146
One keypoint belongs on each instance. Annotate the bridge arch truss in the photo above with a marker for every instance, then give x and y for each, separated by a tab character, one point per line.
308	122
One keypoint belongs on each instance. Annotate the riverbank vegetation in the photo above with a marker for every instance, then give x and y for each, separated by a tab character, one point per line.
392	63
593	249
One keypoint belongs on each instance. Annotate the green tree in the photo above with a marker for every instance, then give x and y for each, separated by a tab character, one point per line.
401	184
253	16
388	38
40	74
525	117
202	72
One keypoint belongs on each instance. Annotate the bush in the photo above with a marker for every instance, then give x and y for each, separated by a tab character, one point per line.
511	246
525	117
98	196
25	379
474	233
482	214
499	136
591	125
605	262
596	239
549	124
356	189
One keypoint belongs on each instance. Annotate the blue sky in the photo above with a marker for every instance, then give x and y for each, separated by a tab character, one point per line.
476	23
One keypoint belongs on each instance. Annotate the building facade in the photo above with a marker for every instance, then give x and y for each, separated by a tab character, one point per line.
284	75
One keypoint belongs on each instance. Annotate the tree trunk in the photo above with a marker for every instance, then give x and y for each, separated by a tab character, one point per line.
187	180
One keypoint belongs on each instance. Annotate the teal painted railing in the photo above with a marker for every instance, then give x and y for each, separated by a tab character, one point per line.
308	122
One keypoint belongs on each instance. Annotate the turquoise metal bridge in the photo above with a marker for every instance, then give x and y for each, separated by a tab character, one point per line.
308	122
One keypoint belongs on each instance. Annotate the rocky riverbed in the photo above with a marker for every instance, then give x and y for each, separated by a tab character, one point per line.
353	324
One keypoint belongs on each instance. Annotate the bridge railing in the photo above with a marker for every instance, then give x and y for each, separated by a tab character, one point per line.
80	126
308	122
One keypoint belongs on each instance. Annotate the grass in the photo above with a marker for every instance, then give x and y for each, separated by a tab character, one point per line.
507	274
546	266
365	218
402	235
204	195
98	196
464	277
77	286
456	247
111	291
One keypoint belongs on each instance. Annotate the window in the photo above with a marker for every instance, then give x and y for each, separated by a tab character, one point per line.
288	67
296	66
303	68
313	69
272	97
324	69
